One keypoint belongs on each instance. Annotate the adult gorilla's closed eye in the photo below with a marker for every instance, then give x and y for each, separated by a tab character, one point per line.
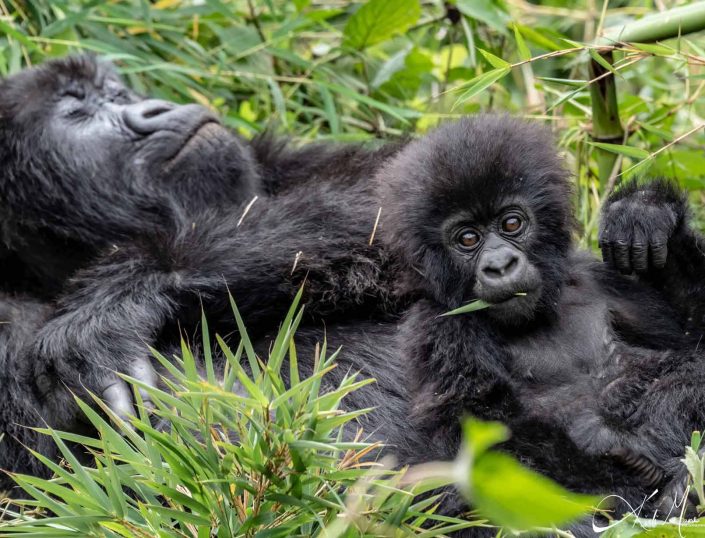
87	163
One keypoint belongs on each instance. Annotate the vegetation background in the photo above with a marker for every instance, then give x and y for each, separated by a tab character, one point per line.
335	69
621	83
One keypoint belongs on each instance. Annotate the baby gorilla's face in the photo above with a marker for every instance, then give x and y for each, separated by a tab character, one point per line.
480	209
494	251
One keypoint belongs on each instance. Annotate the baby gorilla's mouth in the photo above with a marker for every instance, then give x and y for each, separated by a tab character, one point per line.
502	298
515	296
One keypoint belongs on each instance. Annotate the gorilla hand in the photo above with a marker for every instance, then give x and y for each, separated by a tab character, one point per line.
637	224
65	364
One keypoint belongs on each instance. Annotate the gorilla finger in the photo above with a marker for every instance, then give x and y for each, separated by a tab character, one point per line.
142	370
621	257
607	253
658	253
640	257
119	399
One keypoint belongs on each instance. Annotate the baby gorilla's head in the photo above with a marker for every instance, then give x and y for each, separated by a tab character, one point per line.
481	209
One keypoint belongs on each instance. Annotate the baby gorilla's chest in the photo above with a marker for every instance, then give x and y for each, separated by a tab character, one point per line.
560	370
579	343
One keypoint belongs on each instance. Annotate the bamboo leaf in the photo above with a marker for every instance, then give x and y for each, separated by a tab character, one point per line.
470	307
524	52
495	61
378	20
480	83
627	151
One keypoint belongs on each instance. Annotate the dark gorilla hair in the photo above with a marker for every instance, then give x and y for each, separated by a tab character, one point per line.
88	164
148	189
475	168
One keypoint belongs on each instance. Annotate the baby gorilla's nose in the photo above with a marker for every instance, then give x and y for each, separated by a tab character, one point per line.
500	265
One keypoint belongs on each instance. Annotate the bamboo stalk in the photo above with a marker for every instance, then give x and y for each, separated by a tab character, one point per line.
664	25
606	125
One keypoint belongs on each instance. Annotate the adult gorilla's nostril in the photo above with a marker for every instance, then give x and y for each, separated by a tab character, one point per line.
148	116
153	115
156	109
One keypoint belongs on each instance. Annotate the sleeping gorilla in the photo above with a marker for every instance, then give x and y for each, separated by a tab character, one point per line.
87	164
478	209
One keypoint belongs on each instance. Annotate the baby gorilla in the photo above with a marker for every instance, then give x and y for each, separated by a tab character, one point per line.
480	209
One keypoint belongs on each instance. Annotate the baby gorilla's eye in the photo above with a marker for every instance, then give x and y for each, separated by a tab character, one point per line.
512	224
468	238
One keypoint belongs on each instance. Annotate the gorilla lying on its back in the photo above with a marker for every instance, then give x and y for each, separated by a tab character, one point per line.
87	164
481	210
478	209
89	167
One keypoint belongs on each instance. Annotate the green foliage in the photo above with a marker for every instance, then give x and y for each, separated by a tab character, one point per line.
246	455
378	20
340	69
472	306
502	490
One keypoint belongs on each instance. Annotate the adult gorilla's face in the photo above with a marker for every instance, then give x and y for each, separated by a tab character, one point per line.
72	123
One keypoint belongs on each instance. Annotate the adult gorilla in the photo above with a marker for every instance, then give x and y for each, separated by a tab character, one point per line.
87	164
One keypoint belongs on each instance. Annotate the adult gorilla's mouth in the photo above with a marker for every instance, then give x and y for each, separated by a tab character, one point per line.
204	138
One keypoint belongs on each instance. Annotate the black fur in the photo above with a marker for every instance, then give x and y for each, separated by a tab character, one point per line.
89	167
501	363
609	360
88	164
